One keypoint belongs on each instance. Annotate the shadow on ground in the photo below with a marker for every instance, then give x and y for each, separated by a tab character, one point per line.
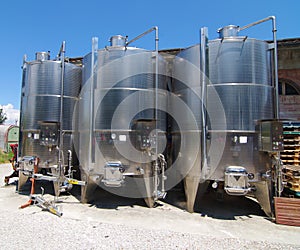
217	204
44	187
212	203
106	200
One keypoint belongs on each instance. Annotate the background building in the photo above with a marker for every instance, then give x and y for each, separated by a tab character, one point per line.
289	78
9	134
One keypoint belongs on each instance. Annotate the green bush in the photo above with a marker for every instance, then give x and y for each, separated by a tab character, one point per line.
4	157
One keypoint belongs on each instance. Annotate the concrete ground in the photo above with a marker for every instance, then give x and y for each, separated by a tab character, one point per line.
230	223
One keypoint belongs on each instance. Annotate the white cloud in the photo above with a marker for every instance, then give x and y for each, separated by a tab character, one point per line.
12	114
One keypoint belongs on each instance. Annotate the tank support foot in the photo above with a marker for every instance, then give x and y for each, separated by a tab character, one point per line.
149	202
262	194
22	180
190	187
56	184
149	199
88	190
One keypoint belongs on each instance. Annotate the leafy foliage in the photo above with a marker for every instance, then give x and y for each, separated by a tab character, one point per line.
2	116
4	157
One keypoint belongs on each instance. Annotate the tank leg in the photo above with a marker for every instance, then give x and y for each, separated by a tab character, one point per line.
87	191
147	187
22	180
56	184
149	202
149	199
191	184
263	195
56	188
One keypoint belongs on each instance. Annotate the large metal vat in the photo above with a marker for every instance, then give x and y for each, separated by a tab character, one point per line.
240	72
186	129
237	92
46	127
121	130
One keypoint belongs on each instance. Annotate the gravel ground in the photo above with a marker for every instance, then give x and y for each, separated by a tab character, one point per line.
132	226
37	231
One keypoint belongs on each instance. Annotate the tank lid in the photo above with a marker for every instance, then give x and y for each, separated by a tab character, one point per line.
42	56
118	41
228	31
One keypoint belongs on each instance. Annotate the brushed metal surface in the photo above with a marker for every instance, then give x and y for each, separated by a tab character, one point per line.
40	101
119	74
240	75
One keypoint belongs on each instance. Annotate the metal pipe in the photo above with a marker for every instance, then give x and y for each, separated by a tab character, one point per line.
156	66
24	68
163	177
274	30
141	35
92	82
163	190
62	58
156	88
24	60
155	28
156	108
70	163
203	76
256	23
279	175
275	68
61	51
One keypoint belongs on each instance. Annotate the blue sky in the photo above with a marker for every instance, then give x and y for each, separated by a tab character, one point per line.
34	25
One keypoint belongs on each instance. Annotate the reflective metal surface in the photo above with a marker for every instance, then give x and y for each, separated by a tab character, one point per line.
42	56
122	90
40	102
239	71
239	78
239	60
228	31
243	105
118	41
186	129
186	84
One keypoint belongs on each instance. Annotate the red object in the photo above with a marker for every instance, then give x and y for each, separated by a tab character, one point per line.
287	211
14	149
35	170
13	160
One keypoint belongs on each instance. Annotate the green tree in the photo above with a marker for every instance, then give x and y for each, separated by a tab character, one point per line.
2	116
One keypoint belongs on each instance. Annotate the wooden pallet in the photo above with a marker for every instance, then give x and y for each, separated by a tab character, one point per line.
290	193
291	150
287	211
291	146
292	170
291	176
295	161
293	186
290	138
291	157
294	157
